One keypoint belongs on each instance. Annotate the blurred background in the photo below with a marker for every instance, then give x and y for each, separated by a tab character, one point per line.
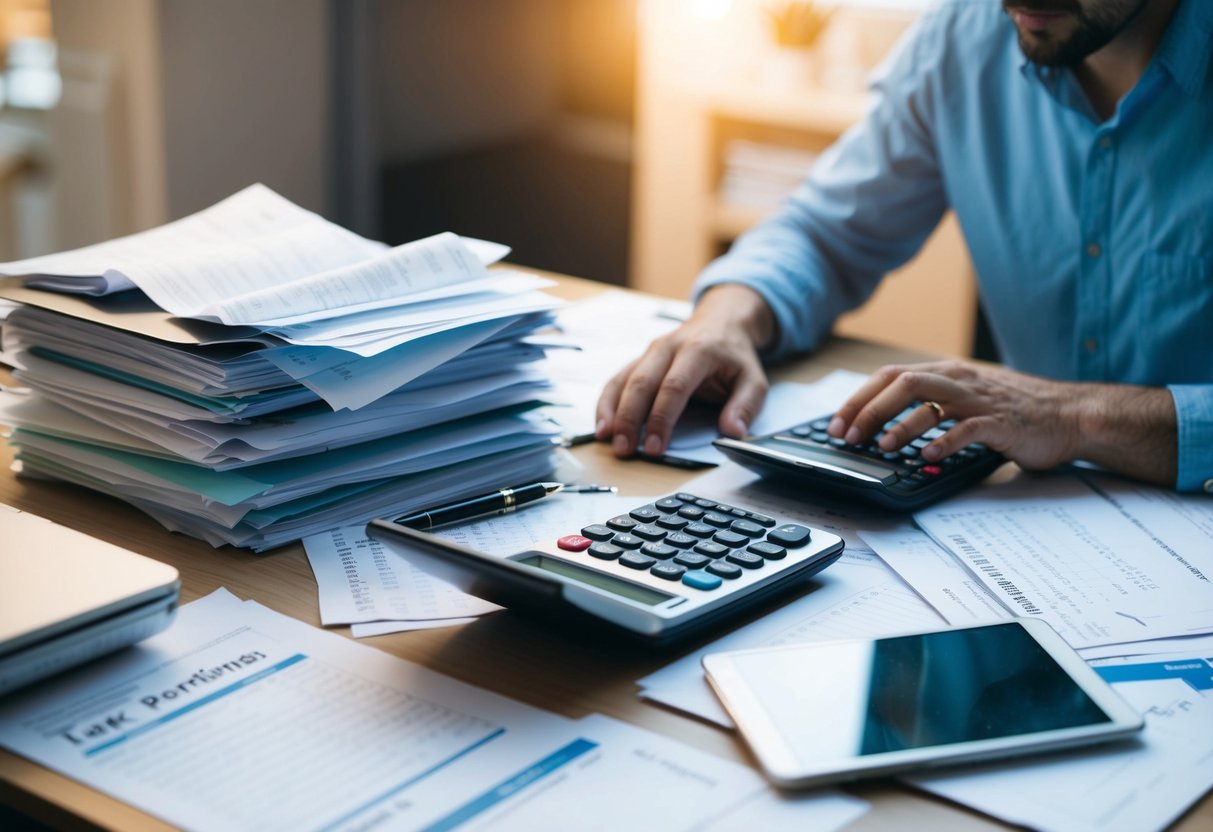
628	141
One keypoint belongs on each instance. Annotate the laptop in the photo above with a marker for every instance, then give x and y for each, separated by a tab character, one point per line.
66	598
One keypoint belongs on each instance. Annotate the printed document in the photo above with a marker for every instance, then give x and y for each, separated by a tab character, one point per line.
1103	565
1127	787
857	597
362	580
238	718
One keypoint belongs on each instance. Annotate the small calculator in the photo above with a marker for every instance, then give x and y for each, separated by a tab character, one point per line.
663	571
805	455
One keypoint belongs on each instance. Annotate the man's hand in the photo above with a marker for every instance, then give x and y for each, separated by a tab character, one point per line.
1033	421
714	355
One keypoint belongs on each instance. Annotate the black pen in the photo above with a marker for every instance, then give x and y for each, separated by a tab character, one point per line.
501	501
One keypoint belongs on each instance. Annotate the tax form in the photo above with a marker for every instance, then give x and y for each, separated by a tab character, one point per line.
1103	563
238	718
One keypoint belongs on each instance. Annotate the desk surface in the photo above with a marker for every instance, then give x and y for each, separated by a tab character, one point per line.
503	653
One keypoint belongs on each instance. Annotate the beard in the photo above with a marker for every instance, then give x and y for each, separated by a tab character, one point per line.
1094	28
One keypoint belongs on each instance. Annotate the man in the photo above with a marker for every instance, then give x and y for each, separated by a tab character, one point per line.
1074	141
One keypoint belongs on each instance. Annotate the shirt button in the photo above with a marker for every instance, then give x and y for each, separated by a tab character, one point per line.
1105	142
1091	345
1094	250
1208	486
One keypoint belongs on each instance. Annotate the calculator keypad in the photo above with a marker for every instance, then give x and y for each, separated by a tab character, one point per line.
912	471
690	539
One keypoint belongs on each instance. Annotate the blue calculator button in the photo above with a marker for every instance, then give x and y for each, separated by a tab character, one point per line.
701	580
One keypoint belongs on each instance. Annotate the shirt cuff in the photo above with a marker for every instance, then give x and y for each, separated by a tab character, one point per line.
1194	429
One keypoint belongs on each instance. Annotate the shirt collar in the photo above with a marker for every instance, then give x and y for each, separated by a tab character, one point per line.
1183	52
1185	47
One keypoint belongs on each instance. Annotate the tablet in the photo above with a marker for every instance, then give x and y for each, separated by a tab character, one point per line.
829	711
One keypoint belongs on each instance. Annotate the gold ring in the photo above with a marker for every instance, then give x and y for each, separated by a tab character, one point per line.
938	408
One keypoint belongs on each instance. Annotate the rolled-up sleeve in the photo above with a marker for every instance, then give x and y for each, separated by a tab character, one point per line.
1194	423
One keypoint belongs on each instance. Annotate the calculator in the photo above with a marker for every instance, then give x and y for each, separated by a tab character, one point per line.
805	455
661	572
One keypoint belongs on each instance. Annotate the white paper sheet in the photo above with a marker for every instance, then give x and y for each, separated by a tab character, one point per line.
787	404
197	726
362	581
857	597
1146	786
1054	548
939	578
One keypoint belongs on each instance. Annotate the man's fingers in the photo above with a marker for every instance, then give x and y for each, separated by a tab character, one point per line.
744	405
978	429
903	391
636	398
851	408
608	402
683	378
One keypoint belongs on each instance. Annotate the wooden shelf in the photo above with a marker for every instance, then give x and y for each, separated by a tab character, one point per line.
809	109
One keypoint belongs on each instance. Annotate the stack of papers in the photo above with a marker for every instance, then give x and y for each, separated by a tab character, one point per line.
310	378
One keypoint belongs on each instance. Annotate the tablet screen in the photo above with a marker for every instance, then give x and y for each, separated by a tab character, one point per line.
872	697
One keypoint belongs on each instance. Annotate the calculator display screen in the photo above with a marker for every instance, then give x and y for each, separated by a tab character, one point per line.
599	580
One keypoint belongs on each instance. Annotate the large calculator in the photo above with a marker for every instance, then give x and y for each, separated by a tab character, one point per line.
661	572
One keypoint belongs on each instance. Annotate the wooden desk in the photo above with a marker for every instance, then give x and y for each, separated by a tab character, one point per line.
503	653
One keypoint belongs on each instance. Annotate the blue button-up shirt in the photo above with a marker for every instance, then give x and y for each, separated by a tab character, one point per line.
1092	240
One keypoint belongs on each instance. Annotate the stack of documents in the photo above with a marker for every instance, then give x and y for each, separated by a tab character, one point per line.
253	374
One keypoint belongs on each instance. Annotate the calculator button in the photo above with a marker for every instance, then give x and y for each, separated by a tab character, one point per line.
649	532
659	551
672	521
692	561
762	519
622	523
701	580
802	430
838	442
636	561
702	503
790	535
685	497
731	539
712	550
932	470
747	559
627	541
768	550
668	504
680	540
720	521
645	514
690	512
700	530
740	512
597	532
724	569
605	551
820	424
819	436
909	452
574	543
747	527
669	571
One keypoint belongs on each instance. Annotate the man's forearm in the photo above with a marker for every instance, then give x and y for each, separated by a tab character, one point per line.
1128	429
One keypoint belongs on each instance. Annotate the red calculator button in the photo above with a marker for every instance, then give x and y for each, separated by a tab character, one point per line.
933	470
574	543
